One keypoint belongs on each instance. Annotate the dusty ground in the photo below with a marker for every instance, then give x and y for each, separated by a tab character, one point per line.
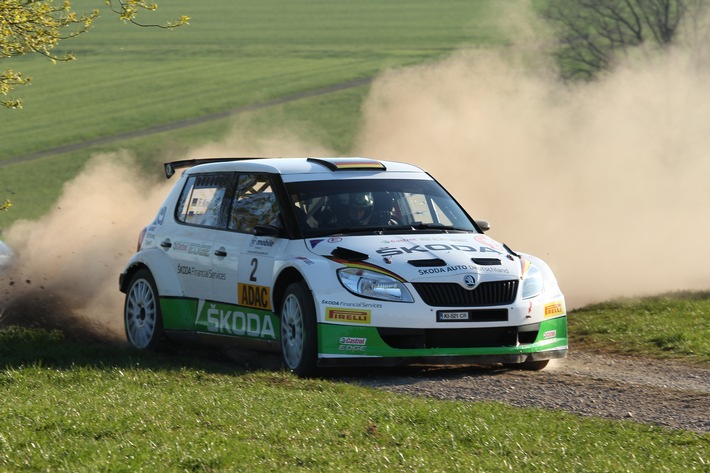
654	392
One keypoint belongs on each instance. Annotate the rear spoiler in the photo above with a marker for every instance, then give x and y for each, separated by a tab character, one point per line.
171	167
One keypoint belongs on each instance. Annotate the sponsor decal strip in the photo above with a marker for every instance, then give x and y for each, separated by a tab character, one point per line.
353	345
192	248
258	297
360	304
334	314
367	266
425	248
206	273
463	267
554	309
524	267
225	320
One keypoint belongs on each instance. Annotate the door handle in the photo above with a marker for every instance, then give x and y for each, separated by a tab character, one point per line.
220	252
166	244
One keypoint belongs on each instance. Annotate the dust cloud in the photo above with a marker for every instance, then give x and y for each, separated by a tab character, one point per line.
248	139
607	181
68	262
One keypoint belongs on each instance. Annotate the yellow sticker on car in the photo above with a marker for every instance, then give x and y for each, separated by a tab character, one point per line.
554	309
333	314
258	297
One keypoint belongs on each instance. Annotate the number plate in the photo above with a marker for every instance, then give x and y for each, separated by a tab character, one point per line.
458	316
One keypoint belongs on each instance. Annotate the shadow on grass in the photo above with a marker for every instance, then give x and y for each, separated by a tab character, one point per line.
40	329
22	346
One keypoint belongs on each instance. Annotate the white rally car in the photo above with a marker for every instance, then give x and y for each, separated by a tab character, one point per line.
333	262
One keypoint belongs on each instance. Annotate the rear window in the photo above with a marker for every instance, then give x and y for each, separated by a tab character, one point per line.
201	200
237	202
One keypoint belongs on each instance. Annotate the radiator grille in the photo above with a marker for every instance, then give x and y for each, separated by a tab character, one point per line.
454	295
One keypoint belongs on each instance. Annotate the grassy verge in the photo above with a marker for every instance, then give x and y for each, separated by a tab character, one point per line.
69	407
669	326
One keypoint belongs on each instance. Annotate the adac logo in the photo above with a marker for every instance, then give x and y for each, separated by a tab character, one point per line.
258	297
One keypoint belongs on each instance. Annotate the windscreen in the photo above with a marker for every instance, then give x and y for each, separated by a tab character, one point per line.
361	205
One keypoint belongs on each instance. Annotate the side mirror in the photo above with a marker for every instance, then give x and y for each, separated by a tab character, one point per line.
483	225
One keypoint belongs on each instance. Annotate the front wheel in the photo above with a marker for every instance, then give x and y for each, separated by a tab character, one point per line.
299	340
142	317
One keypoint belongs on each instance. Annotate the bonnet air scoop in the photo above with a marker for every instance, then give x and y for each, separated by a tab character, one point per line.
427	263
349	255
486	261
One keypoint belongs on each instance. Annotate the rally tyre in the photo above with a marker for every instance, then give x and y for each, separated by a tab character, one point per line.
143	320
299	340
537	365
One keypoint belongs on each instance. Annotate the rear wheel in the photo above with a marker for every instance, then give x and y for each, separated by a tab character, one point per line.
142	317
299	340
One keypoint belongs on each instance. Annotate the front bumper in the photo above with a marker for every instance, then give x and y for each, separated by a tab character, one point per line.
345	345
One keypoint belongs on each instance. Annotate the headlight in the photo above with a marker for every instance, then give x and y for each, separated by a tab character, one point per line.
532	282
366	283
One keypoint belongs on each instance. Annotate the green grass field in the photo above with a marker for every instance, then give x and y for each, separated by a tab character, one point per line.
669	326
232	54
81	407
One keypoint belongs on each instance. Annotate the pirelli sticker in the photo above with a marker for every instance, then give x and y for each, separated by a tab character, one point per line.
554	309
258	297
349	316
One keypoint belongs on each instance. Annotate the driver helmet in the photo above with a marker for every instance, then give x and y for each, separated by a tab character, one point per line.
361	201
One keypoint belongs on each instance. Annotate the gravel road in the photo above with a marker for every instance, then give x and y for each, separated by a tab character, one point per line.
655	392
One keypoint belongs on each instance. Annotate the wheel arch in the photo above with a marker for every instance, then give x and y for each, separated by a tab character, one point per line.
159	266
287	277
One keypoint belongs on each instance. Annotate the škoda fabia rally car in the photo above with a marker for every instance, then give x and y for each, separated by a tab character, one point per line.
336	262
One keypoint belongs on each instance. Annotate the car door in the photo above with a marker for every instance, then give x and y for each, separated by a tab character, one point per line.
246	257
200	213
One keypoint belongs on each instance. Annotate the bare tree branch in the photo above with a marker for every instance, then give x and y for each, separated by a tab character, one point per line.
591	33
